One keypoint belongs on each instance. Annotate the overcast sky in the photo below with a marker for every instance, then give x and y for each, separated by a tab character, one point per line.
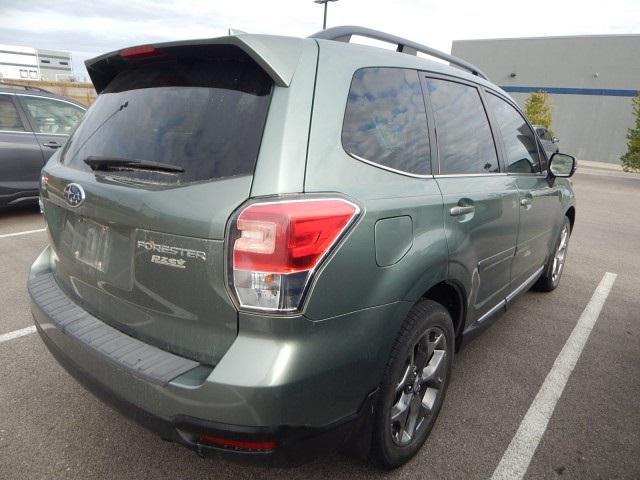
88	28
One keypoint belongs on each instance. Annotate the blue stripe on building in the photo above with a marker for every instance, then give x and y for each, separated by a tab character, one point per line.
602	92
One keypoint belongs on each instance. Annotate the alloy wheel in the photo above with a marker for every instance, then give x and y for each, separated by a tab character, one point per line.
560	255
420	386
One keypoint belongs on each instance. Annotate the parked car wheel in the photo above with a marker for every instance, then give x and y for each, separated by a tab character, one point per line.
550	279
414	384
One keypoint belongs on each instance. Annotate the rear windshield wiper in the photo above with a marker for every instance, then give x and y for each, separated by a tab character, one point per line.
107	163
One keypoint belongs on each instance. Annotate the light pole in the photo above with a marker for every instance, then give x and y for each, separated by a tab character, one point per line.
324	2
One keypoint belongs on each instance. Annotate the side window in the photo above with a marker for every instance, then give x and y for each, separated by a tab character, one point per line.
385	121
52	116
543	134
521	149
9	117
465	143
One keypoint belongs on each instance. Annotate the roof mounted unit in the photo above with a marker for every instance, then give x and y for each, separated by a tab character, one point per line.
403	45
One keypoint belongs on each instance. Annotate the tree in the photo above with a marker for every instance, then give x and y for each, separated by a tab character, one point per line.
631	159
537	108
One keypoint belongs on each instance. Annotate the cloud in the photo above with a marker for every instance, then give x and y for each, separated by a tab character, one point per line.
88	29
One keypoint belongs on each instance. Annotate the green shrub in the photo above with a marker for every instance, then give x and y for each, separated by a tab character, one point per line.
537	108
631	159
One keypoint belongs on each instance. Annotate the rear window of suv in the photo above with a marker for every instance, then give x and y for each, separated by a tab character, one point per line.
204	115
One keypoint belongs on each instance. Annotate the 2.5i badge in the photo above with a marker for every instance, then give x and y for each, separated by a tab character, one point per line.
170	256
169	262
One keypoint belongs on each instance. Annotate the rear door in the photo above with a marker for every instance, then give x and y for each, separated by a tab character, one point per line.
53	120
539	201
144	251
20	156
480	201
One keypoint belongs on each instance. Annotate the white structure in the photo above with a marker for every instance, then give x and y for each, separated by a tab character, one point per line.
55	65
26	63
19	63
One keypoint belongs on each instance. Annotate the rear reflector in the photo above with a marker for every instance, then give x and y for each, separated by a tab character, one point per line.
276	246
140	52
238	444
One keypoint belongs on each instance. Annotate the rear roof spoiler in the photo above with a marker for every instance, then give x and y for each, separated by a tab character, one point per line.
403	45
278	56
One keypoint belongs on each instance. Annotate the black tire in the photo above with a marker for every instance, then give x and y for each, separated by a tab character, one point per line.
419	334
548	281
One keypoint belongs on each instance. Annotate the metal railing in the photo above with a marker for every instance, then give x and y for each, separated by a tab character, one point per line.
403	45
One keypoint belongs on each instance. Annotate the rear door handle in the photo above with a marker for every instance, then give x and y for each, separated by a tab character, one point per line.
52	144
464	210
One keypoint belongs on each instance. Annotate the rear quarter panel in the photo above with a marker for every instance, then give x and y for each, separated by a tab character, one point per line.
352	279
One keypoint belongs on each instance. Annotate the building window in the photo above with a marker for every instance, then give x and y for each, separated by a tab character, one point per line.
33	74
24	73
45	61
64	63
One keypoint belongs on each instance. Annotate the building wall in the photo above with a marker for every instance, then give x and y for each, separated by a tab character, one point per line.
591	81
19	63
83	92
55	65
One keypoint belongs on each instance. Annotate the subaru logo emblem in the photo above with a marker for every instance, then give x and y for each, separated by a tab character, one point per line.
74	194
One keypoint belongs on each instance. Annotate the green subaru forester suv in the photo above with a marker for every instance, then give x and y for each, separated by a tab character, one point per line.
267	246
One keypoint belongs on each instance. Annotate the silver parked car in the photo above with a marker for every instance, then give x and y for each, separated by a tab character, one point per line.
34	123
549	143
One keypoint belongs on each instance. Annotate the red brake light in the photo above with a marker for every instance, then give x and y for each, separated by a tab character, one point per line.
238	444
288	237
140	52
275	247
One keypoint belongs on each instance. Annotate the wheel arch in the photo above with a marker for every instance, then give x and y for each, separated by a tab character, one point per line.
451	296
571	213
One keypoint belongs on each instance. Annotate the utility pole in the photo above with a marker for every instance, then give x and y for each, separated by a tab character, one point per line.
324	2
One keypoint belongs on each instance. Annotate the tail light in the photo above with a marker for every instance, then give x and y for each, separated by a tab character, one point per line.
142	51
260	446
276	246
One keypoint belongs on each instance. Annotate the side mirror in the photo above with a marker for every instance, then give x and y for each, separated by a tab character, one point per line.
555	139
562	165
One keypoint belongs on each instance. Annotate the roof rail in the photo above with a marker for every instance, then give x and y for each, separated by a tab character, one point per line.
344	34
23	87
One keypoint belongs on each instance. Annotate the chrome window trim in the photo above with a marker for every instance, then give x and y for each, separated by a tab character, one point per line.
55	134
537	174
453	175
47	98
384	167
15	131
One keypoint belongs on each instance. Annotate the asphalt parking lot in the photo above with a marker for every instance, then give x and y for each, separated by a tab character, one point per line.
51	428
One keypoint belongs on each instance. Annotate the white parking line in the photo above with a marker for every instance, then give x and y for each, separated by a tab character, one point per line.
17	334
26	232
516	458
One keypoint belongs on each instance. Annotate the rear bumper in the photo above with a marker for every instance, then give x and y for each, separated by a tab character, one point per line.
293	444
306	399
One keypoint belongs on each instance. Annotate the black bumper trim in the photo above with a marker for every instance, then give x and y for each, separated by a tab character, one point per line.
138	358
